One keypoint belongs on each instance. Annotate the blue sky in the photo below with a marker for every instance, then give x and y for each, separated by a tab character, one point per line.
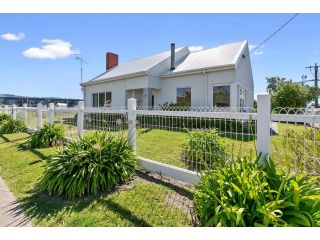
56	73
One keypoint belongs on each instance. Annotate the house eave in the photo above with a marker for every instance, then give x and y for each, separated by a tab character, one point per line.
92	82
199	70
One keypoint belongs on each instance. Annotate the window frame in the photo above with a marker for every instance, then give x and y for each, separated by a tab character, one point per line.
212	92
98	94
243	91
190	94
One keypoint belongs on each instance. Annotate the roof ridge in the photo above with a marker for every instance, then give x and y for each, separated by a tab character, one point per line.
218	46
151	55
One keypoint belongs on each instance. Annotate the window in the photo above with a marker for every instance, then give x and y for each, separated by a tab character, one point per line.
103	99
108	99
242	97
221	96
184	96
95	100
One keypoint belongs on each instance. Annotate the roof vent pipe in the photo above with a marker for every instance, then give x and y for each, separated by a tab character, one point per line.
173	53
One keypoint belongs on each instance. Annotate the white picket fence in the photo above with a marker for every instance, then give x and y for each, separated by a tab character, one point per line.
156	132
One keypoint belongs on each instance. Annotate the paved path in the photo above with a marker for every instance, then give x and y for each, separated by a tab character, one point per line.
11	214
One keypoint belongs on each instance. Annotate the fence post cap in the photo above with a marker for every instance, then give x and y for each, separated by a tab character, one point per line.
81	104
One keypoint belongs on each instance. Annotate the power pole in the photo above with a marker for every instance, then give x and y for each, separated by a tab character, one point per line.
315	67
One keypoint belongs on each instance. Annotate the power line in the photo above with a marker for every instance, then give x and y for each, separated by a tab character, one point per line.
279	29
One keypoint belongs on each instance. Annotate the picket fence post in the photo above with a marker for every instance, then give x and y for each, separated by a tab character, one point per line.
51	113
80	118
39	115
263	124
25	113
132	107
14	112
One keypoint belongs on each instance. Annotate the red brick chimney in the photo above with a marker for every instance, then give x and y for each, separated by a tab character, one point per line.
111	60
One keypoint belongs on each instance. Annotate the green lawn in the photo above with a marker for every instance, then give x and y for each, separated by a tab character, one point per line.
138	203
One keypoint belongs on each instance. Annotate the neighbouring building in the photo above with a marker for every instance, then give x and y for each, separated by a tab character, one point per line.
219	76
9	99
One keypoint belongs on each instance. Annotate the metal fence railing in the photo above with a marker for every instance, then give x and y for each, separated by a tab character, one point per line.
195	138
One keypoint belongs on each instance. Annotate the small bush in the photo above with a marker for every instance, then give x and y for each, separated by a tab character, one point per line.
91	164
12	126
244	194
205	148
4	117
48	136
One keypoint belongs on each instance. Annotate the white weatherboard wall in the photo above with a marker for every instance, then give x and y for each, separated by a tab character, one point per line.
117	87
201	87
243	75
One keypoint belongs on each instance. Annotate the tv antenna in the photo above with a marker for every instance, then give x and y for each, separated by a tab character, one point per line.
81	60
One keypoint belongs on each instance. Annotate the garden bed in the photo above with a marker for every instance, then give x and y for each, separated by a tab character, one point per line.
146	200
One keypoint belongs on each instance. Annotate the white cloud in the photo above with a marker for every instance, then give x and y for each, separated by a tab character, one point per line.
52	49
195	48
13	37
257	52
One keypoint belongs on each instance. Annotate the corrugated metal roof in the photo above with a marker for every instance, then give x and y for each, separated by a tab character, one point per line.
208	58
212	57
135	66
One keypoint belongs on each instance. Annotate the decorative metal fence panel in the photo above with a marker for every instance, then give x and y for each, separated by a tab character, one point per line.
196	138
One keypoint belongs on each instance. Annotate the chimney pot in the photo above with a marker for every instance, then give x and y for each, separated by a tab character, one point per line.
112	60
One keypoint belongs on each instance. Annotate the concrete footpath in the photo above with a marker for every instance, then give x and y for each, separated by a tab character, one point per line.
11	214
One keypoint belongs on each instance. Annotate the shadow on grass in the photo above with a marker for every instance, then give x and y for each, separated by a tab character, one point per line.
40	206
23	147
180	190
6	140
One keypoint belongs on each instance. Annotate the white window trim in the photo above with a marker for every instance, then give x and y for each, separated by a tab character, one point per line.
105	96
219	85
183	87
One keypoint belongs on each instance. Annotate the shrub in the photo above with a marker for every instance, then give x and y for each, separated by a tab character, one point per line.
91	164
4	117
205	148
178	123
48	136
13	126
242	193
304	150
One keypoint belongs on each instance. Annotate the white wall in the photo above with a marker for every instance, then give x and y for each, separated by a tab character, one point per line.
118	89
201	87
243	75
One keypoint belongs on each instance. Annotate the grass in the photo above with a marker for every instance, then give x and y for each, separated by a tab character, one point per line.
138	203
166	145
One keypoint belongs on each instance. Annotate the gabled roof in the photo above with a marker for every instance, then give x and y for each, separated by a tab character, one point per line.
221	56
140	65
212	58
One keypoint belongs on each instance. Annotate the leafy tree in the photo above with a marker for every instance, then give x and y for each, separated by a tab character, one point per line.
291	94
273	83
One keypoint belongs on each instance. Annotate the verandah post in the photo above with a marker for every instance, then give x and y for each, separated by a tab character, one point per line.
132	107
39	115
263	124
80	118
14	112
51	113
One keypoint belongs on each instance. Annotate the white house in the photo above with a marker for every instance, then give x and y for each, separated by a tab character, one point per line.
219	76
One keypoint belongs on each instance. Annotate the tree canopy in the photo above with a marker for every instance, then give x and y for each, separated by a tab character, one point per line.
288	94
